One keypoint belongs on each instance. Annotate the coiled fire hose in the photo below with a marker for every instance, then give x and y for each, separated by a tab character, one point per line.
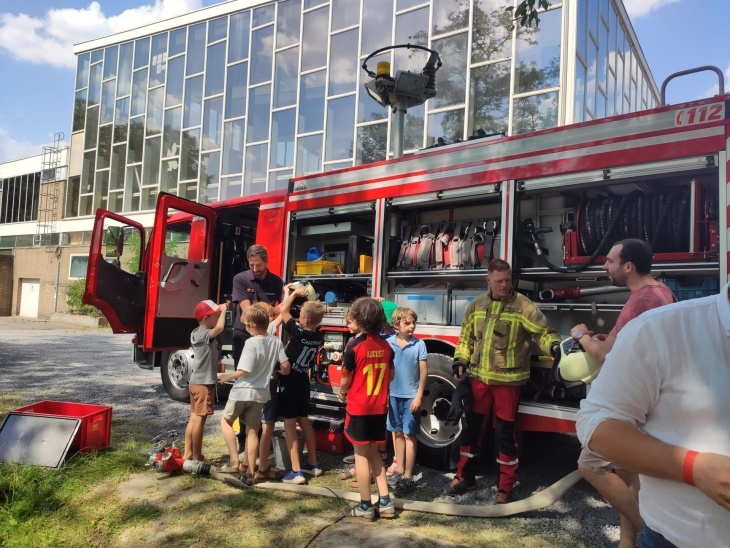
660	218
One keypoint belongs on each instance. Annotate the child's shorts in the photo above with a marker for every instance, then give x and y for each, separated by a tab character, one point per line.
247	412
294	397
201	399
363	429
401	418
270	412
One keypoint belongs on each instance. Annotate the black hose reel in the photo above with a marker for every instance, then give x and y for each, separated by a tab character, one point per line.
660	218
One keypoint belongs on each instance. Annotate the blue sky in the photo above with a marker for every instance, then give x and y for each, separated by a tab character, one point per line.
37	61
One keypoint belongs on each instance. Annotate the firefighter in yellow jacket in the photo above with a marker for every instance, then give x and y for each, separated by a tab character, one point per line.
495	343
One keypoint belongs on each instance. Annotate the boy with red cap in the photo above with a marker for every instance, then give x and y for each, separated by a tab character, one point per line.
203	377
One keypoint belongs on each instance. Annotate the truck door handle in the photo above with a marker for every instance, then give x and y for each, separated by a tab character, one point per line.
169	271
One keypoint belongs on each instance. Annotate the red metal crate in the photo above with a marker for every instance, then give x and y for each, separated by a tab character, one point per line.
95	431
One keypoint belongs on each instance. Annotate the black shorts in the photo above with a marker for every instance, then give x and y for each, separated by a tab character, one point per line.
363	429
293	396
271	409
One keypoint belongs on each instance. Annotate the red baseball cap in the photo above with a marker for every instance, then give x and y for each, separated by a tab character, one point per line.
204	309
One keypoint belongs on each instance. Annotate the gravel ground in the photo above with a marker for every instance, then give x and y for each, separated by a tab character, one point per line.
42	360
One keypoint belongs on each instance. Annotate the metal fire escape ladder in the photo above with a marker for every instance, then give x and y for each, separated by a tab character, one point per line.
48	197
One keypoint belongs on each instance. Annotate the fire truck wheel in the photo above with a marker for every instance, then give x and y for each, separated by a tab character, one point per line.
438	441
175	368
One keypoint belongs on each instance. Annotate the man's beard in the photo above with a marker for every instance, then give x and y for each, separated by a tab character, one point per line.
616	282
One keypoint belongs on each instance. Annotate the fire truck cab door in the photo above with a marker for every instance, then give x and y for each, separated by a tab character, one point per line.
114	283
181	253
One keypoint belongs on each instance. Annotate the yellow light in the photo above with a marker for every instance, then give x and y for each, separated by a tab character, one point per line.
383	69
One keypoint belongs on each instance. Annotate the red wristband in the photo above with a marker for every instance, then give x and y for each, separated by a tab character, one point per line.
688	467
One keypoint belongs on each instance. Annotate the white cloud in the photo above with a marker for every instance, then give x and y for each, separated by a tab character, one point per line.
640	8
50	39
715	88
12	149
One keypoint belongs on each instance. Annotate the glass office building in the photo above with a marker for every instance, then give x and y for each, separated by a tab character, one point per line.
239	97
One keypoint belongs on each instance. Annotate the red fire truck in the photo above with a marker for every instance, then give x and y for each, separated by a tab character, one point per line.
419	231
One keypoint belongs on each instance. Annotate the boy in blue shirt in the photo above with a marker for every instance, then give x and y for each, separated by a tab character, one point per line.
406	393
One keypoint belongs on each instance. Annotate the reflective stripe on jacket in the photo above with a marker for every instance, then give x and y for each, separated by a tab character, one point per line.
495	338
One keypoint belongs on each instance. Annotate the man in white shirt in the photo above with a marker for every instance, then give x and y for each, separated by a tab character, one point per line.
661	407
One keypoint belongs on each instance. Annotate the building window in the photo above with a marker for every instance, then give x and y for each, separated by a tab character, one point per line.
537	56
19	198
77	267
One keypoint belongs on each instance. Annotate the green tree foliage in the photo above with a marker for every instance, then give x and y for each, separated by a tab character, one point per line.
526	12
492	36
131	258
75	292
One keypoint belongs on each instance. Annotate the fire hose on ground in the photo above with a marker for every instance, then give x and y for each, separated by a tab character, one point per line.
542	499
170	460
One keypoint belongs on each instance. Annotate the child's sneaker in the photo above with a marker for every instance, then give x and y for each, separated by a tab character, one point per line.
386	511
359	511
312	469
294	477
405	486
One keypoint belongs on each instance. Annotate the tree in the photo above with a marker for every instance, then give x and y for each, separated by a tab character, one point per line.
490	92
526	12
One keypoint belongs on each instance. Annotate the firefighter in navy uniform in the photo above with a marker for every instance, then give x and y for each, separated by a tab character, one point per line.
495	343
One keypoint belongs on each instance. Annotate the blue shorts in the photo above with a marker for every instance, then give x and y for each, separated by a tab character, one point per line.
401	418
648	538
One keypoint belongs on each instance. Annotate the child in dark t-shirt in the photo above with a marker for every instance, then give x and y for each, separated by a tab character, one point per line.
302	348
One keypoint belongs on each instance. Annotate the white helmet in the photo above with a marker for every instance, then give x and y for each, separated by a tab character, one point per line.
575	364
311	293
296	306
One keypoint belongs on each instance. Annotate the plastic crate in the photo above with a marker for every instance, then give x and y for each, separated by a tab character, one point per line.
460	301
318	267
709	286
431	305
95	431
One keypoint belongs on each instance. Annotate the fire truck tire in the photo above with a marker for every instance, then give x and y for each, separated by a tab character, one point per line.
438	445
175	368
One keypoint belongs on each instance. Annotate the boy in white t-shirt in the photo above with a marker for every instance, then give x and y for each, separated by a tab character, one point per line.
250	391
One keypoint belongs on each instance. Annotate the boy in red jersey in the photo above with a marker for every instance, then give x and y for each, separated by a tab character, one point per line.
368	370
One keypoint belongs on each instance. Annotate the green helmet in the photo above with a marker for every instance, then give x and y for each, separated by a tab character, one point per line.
388	307
575	364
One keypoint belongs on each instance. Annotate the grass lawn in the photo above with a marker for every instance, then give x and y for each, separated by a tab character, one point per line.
110	498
